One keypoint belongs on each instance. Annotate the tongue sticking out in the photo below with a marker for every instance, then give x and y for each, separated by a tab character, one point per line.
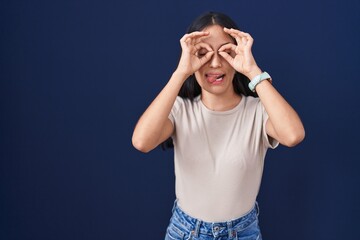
213	78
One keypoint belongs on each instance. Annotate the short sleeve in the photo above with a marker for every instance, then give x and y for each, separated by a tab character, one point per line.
175	109
268	141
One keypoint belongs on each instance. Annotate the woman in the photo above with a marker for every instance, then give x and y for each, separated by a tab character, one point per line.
220	131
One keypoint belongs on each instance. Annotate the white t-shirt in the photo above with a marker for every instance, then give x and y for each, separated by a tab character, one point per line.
219	157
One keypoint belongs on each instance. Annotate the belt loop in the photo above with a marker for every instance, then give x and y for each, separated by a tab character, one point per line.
174	206
257	209
230	231
197	228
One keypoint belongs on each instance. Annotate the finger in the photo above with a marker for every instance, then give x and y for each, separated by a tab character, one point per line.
244	34
246	38
193	38
235	36
206	57
199	37
247	41
198	33
250	41
229	46
233	32
201	45
227	57
238	35
236	31
242	40
201	49
194	35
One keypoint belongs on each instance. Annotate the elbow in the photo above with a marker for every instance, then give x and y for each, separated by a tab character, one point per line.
294	139
140	145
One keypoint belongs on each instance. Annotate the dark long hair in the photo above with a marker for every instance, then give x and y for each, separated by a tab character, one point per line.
191	89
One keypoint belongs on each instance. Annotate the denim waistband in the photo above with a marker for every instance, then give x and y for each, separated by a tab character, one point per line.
196	226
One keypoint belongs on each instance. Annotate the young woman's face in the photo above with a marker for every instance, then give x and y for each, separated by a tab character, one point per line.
216	76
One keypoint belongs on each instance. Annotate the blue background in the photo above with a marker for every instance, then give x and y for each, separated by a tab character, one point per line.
76	75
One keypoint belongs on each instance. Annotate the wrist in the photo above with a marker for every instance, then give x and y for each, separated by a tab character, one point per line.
182	75
258	79
253	73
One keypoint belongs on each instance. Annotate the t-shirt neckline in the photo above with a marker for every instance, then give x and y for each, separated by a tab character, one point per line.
230	111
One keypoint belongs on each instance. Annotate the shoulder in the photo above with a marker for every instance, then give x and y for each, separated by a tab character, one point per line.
251	102
186	103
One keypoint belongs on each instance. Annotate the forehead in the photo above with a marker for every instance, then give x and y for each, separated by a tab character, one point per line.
217	36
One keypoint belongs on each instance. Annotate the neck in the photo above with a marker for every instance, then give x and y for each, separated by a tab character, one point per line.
220	103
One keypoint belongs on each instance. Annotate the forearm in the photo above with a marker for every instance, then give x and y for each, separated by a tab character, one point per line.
154	126
150	127
283	124
285	121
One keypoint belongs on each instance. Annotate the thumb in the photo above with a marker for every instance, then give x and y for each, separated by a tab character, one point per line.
206	57
227	57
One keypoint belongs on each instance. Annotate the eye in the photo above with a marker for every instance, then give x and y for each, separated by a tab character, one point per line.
202	52
228	51
231	53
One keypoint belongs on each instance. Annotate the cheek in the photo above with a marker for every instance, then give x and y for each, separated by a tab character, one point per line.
229	70
199	76
199	79
232	73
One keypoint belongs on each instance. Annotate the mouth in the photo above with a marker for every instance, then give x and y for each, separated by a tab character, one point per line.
214	78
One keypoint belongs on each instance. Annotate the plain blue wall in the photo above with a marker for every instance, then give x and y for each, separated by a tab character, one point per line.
76	75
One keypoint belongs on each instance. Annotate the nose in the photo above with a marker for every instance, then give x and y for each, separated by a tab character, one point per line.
215	61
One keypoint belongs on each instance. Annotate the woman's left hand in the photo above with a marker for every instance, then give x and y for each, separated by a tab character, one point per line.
240	56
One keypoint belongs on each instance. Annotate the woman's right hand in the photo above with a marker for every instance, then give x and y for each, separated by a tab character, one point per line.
194	53
154	126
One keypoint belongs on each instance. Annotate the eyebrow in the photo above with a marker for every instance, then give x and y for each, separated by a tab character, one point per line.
224	44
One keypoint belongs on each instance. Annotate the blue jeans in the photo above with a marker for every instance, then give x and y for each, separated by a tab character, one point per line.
183	226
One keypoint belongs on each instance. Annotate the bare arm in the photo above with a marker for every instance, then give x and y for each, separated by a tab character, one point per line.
284	123
154	126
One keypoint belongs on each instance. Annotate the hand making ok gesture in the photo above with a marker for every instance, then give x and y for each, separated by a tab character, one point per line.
242	60
190	61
